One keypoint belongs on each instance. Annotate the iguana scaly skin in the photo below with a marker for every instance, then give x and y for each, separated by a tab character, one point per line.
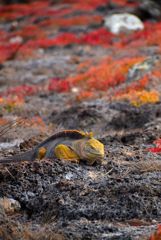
71	145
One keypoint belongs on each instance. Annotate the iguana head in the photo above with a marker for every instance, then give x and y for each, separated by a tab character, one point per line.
94	150
90	149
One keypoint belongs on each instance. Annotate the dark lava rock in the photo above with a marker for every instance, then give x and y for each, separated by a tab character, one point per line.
131	117
150	9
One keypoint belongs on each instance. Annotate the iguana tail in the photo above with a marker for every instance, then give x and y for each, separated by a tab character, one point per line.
27	156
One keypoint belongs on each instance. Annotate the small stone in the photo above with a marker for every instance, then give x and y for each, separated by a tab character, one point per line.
30	194
75	90
9	205
16	39
123	22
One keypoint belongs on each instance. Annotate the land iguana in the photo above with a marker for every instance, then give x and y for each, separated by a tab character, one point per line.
72	145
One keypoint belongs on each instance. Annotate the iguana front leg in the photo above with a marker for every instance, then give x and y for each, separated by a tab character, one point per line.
41	153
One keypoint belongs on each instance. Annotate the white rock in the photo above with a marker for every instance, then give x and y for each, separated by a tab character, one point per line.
69	176
75	90
16	39
117	23
14	143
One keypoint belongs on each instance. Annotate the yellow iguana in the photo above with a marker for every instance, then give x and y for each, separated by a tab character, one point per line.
72	145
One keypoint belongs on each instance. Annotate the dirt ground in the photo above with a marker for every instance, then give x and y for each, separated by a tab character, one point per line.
93	202
62	200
